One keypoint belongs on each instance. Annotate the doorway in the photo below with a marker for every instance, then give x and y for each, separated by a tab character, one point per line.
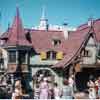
81	78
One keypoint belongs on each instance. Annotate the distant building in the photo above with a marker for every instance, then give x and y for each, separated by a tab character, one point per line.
53	49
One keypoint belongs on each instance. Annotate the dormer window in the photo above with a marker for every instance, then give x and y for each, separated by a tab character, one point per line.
56	42
51	55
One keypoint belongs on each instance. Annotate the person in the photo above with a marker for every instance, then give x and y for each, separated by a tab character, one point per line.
92	91
71	82
44	89
40	77
17	94
96	85
51	90
67	92
36	91
57	91
99	87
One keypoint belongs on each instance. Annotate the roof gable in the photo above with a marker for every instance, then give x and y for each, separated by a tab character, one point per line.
73	46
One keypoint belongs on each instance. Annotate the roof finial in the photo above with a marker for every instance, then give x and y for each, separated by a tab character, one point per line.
17	11
43	12
43	21
8	26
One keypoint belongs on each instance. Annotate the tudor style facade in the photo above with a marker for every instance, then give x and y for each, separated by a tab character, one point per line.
58	52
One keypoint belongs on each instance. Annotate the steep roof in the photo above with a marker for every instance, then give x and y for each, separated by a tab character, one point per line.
72	46
76	41
15	35
96	26
41	40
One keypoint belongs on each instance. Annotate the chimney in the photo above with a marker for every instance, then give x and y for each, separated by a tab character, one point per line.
65	30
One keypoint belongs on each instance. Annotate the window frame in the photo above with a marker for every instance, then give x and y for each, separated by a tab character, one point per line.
51	55
86	53
10	58
56	42
25	54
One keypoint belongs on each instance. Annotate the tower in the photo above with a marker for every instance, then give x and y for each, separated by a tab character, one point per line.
43	20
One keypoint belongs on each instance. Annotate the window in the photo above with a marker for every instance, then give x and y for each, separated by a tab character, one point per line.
51	55
22	56
12	56
56	42
86	53
1	60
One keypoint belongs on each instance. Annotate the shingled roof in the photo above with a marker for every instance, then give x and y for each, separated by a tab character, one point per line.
76	41
72	47
96	26
16	35
41	40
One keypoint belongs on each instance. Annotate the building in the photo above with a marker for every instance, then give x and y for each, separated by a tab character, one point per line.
56	52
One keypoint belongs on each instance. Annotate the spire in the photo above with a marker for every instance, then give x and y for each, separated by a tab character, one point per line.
43	13
17	20
43	20
17	27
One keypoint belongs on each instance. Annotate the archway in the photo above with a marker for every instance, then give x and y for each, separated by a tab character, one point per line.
41	73
45	72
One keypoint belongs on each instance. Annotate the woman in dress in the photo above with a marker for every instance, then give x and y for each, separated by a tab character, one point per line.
44	89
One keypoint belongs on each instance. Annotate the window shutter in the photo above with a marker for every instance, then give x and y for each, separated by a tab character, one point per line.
59	56
43	55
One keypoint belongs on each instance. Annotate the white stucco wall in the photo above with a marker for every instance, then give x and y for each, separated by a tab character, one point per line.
36	60
92	49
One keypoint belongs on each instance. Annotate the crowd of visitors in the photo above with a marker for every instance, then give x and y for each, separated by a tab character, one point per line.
45	89
94	88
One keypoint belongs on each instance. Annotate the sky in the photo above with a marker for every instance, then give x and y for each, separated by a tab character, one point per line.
74	12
